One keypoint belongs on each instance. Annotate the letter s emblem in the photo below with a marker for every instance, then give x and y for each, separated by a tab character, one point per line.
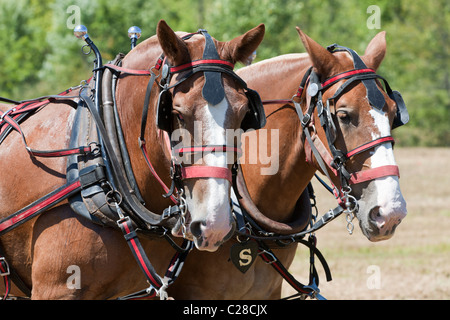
245	257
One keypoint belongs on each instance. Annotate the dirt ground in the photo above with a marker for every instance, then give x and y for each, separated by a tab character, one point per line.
414	263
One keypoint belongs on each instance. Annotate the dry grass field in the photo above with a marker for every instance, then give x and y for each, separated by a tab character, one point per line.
414	263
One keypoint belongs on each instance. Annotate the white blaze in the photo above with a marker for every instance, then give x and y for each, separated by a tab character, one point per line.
214	206
390	199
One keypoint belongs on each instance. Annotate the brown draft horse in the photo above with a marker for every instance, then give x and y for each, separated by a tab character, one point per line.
45	250
381	205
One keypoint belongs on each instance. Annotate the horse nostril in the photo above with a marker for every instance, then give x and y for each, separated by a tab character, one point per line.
196	228
376	217
374	213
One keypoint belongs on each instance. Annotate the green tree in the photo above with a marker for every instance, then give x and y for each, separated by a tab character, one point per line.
23	30
39	54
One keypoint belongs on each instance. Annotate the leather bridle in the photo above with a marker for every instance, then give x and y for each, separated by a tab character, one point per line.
212	67
336	160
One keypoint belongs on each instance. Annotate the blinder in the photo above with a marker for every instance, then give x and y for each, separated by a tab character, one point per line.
330	123
402	115
255	117
164	111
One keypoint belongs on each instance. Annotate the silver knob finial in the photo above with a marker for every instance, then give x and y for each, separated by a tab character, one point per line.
80	32
134	32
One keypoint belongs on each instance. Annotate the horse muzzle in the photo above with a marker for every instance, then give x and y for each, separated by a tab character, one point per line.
209	236
381	208
383	221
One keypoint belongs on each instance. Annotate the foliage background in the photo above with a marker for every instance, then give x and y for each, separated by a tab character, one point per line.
39	54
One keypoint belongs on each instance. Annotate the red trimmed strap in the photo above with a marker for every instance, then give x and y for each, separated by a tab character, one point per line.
139	253
374	173
39	206
269	258
206	172
370	145
356	177
220	148
346	74
5	272
31	105
194	171
153	171
83	150
200	62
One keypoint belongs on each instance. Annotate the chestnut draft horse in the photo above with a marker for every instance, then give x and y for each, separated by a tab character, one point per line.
349	140
60	254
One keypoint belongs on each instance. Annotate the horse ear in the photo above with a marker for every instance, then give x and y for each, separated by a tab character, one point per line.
173	47
320	57
375	51
240	48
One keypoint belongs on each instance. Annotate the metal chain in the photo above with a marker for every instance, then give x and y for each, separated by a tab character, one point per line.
349	218
183	210
351	205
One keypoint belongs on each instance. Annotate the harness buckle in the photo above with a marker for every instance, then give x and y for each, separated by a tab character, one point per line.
122	219
4	266
315	291
306	119
272	259
95	148
176	170
6	113
170	212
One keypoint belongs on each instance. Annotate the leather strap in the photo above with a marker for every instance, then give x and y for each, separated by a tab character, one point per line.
208	148
206	172
39	206
139	253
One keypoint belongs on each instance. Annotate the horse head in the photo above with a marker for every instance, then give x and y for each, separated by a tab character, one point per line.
197	99
354	119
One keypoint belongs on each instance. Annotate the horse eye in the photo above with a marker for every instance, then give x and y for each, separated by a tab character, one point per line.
178	115
344	117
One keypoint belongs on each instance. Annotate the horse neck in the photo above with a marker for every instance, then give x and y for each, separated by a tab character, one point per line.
294	173
130	95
